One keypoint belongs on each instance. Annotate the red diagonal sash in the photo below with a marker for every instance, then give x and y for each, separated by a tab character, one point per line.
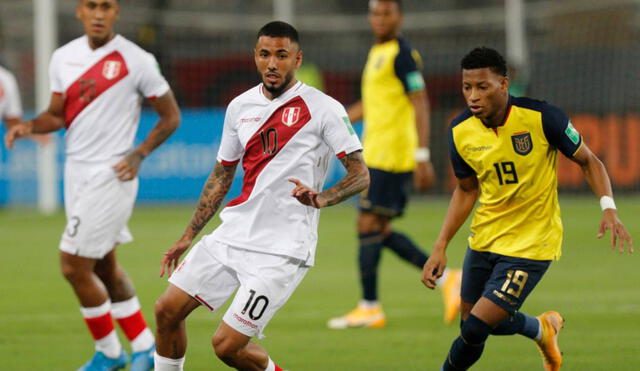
267	142
96	80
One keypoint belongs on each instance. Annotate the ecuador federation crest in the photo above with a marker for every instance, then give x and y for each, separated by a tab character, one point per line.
111	69
290	115
522	143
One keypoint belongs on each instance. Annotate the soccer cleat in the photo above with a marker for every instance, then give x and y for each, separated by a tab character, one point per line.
101	362
551	323
451	295
360	317
143	361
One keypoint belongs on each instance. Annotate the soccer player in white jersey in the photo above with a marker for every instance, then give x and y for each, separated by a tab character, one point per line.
98	82
285	133
10	105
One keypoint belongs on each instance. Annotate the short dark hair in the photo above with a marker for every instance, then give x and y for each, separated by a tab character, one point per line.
279	29
485	58
399	2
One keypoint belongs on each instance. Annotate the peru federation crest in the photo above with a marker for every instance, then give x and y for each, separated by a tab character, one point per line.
290	115
111	69
522	143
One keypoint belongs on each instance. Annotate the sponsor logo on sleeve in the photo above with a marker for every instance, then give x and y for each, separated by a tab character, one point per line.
415	81
348	123
572	133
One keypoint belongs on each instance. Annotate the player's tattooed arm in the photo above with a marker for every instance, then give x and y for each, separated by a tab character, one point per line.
356	180
213	192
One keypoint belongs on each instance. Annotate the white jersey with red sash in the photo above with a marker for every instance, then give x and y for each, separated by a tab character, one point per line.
292	136
10	104
103	91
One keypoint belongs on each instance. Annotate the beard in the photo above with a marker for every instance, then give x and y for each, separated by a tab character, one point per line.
277	90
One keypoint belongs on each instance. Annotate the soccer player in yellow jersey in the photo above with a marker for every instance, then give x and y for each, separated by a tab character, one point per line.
396	138
504	152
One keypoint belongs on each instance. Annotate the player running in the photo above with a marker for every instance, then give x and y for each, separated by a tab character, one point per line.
504	152
285	133
98	82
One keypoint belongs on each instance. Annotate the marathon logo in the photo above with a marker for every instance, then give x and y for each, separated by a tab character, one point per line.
244	321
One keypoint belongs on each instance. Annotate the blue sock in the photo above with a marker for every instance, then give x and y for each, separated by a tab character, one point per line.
406	249
468	347
368	259
519	323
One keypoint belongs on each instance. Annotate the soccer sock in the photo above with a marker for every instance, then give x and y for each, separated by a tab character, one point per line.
100	325
132	323
272	366
167	364
406	249
468	347
519	323
368	258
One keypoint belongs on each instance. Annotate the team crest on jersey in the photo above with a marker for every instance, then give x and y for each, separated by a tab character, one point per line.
522	143
290	115
111	69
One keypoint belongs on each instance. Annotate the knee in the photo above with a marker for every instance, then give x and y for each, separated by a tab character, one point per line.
71	272
474	331
225	349
370	223
167	317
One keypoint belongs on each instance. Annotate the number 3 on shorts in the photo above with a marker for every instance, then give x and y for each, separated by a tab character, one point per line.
72	226
260	300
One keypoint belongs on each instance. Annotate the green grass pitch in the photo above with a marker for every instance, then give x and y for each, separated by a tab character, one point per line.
597	290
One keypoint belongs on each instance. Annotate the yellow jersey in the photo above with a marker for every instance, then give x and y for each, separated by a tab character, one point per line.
518	213
390	139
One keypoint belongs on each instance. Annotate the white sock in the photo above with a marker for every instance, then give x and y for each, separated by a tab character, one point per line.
440	281
270	366
127	308
167	364
368	304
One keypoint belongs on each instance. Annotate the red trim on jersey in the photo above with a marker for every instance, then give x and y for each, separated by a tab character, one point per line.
201	300
229	163
152	98
277	367
133	325
100	326
96	80
296	113
57	93
341	154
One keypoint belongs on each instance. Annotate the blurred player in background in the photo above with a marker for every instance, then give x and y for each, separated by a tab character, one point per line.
98	82
504	152
284	132
10	103
396	148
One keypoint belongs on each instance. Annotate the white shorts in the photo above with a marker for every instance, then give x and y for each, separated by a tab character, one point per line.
98	206
212	271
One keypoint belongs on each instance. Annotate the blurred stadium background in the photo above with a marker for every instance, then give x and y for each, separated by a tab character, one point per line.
578	54
581	55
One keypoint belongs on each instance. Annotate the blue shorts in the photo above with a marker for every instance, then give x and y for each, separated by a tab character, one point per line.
387	193
505	280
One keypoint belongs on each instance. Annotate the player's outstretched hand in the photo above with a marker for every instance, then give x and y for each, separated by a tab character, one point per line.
434	267
619	235
16	132
127	168
171	258
306	195
424	176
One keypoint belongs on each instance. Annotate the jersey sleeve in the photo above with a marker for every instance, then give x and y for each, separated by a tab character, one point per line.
230	149
151	83
460	167
55	84
337	131
406	66
13	106
559	131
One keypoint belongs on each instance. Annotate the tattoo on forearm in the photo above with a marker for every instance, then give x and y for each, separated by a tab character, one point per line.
355	181
212	195
158	135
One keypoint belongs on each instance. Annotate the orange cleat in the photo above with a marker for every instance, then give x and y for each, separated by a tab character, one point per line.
551	323
451	295
360	317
